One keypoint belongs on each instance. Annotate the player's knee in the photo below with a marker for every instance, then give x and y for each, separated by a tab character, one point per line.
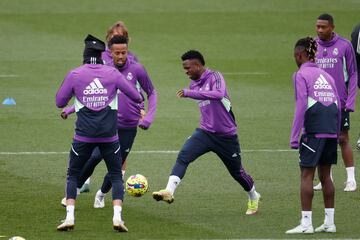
343	140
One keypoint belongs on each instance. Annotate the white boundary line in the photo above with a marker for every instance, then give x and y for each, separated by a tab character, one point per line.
7	75
145	152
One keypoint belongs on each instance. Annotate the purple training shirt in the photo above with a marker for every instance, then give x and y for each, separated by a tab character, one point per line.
129	111
95	89
214	103
317	108
337	58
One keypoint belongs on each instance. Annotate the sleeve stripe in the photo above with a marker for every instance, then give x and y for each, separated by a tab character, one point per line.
217	80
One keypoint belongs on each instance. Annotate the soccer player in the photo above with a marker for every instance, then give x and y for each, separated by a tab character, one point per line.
317	112
355	41
217	131
118	28
94	87
129	113
336	56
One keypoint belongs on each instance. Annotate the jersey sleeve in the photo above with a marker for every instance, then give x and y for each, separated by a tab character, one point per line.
66	91
300	108
216	92
146	84
353	78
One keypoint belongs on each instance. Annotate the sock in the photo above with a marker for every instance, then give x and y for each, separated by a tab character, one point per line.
99	193
173	182
306	218
350	174
70	212
117	212
123	174
87	181
253	195
329	216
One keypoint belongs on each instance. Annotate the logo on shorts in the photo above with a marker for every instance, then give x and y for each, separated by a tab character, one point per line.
95	87
321	83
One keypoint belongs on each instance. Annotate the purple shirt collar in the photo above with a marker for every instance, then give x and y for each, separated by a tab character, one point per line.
328	43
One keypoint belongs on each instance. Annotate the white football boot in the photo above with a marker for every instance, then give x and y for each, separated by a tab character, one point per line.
326	228
301	230
318	187
99	201
350	186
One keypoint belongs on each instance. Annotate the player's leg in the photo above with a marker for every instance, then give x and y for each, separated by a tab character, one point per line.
196	145
328	158
84	179
228	150
126	140
112	156
79	154
311	149
348	158
87	171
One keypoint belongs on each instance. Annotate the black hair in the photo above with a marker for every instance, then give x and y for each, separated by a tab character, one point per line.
117	39
326	17
193	54
308	45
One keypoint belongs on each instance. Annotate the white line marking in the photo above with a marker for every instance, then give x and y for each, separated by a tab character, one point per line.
145	152
245	73
8	76
308	147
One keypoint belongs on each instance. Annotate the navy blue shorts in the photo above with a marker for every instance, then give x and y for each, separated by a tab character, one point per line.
345	121
126	140
317	151
226	147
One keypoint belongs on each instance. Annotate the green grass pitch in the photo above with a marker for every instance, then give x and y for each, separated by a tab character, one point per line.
250	42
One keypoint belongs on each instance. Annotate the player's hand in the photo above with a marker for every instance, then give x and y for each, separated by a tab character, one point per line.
64	115
143	127
294	145
142	114
180	93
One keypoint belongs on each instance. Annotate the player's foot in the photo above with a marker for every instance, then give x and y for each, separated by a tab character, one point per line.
119	226
63	202
85	188
253	205
163	195
66	225
99	200
350	186
326	228
318	187
301	230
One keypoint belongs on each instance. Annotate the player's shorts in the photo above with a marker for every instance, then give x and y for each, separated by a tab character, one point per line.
317	151
345	120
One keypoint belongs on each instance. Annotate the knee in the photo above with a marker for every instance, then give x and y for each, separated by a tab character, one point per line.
343	140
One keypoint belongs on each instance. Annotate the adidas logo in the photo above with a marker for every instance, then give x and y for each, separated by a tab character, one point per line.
95	87
321	83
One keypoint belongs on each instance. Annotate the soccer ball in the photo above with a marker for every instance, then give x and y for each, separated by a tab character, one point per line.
136	185
16	238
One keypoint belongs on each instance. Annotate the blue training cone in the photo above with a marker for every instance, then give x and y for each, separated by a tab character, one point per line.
9	101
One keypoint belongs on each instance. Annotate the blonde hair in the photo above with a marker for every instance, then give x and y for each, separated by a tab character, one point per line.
118	26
